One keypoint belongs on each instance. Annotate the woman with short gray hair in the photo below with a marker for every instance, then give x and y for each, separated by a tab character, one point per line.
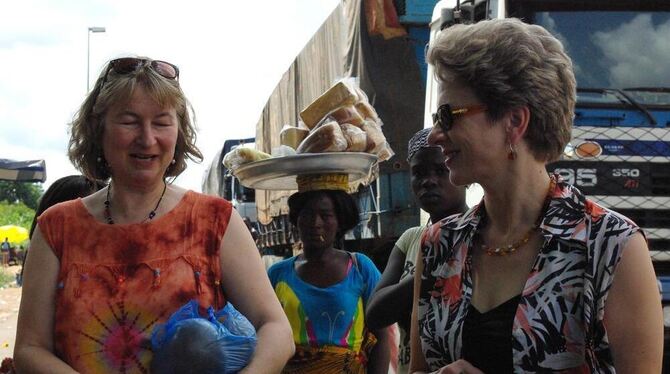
536	277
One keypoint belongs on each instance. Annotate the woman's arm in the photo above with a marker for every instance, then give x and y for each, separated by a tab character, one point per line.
380	356
247	286
633	313
33	352
391	301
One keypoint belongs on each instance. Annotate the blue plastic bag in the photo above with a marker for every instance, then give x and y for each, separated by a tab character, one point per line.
220	343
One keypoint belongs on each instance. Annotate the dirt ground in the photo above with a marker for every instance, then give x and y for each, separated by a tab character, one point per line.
10	297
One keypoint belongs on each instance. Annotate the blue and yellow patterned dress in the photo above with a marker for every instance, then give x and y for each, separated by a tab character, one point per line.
328	322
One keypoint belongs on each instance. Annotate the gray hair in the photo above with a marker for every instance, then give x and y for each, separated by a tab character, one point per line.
508	63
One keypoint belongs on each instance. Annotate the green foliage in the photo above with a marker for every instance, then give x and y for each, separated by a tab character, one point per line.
16	214
27	193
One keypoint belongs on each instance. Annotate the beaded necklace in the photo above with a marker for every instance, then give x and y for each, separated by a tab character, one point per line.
511	248
152	214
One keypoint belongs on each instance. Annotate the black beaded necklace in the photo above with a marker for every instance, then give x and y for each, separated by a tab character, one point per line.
152	214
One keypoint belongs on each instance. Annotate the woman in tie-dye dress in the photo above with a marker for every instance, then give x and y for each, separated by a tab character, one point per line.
104	270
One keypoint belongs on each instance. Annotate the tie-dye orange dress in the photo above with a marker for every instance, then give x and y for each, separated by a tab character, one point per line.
116	282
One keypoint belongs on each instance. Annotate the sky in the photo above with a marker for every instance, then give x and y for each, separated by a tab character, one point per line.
231	55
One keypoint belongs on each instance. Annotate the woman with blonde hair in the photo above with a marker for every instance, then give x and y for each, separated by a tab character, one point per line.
536	277
105	269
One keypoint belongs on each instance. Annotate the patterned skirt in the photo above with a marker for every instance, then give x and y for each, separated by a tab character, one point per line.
330	359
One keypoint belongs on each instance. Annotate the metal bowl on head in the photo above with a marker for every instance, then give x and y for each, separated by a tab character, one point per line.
279	173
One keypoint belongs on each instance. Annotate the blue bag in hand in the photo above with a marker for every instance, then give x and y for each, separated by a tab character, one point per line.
221	343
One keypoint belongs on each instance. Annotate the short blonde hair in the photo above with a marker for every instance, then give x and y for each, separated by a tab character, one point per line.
86	130
509	64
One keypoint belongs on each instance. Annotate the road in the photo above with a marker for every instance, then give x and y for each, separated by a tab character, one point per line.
10	298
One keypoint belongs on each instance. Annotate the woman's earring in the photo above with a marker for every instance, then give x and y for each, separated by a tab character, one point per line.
511	155
173	161
101	161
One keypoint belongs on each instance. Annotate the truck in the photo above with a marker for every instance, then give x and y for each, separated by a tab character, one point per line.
620	149
619	154
381	46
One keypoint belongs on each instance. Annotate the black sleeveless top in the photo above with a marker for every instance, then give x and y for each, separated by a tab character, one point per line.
487	337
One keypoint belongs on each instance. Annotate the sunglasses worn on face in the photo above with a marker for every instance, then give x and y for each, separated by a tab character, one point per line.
445	115
127	65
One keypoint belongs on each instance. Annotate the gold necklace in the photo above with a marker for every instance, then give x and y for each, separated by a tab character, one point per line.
511	248
505	250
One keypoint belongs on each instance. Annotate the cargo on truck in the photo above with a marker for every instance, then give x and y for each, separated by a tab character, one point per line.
381	48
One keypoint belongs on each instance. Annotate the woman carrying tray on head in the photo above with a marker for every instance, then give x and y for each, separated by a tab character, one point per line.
324	290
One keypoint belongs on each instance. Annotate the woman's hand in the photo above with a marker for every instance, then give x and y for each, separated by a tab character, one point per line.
458	367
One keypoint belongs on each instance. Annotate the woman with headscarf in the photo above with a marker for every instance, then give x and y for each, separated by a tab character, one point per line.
435	194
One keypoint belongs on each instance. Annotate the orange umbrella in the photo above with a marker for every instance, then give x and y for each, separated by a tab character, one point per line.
15	234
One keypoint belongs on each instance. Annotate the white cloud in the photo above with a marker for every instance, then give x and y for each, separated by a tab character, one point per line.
549	23
637	52
231	55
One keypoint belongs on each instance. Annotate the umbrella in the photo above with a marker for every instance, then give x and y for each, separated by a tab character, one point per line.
23	171
16	234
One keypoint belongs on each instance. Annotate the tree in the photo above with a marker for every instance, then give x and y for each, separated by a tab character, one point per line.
16	214
26	193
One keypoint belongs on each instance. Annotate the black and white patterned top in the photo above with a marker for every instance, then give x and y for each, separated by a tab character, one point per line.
559	320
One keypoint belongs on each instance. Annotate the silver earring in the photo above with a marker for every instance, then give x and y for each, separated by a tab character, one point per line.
511	155
173	161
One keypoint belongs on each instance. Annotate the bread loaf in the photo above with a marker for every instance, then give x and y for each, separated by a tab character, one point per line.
326	138
338	95
242	155
347	114
366	110
375	136
356	138
292	136
376	141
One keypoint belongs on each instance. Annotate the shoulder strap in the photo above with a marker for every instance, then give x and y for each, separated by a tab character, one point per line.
354	258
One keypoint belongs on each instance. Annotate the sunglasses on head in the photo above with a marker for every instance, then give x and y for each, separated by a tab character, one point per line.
445	115
127	65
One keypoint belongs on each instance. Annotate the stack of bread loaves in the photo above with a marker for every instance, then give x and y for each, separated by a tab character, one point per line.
340	120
